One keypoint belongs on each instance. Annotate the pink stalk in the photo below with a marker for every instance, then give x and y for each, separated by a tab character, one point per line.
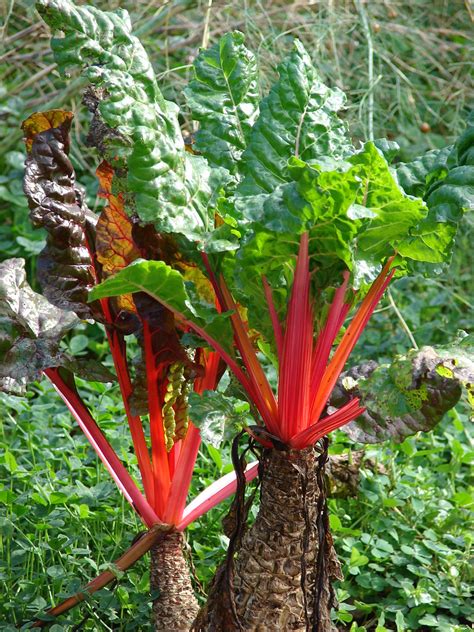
182	476
310	435
295	367
134	421
326	338
214	494
189	447
160	465
349	339
102	448
262	393
228	359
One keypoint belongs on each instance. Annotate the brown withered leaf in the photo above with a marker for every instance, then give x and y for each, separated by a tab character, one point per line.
411	394
65	269
30	334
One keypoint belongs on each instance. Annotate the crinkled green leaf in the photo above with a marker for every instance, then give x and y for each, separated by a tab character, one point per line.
317	202
218	416
394	213
415	177
170	187
410	395
445	179
389	148
161	282
297	118
223	97
450	197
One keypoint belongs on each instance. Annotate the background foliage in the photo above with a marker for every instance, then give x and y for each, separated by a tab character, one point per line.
405	540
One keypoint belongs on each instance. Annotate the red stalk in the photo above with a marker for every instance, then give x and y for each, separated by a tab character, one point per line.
349	339
263	396
337	313
182	476
173	457
295	368
117	348
160	465
310	435
208	381
226	357
102	447
260	391
190	446
213	279
134	421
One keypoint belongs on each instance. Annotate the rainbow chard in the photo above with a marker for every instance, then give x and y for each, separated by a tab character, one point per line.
290	423
294	419
83	249
260	241
330	231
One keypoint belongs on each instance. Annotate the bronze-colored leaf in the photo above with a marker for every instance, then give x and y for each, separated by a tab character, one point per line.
65	268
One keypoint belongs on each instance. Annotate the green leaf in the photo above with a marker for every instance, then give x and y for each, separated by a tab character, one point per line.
335	523
394	214
318	202
445	179
464	499
415	177
297	118
223	97
78	343
171	188
357	559
218	417
168	287
9	462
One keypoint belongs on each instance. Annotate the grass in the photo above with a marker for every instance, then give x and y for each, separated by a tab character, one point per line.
405	540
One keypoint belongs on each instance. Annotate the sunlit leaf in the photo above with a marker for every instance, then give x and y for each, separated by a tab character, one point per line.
223	97
298	118
171	188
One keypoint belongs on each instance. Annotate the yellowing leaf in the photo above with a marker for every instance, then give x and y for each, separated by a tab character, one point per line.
115	247
42	121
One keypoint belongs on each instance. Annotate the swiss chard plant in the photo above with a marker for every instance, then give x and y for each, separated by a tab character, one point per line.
262	245
81	250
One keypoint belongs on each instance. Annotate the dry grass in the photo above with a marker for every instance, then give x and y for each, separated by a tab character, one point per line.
422	80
